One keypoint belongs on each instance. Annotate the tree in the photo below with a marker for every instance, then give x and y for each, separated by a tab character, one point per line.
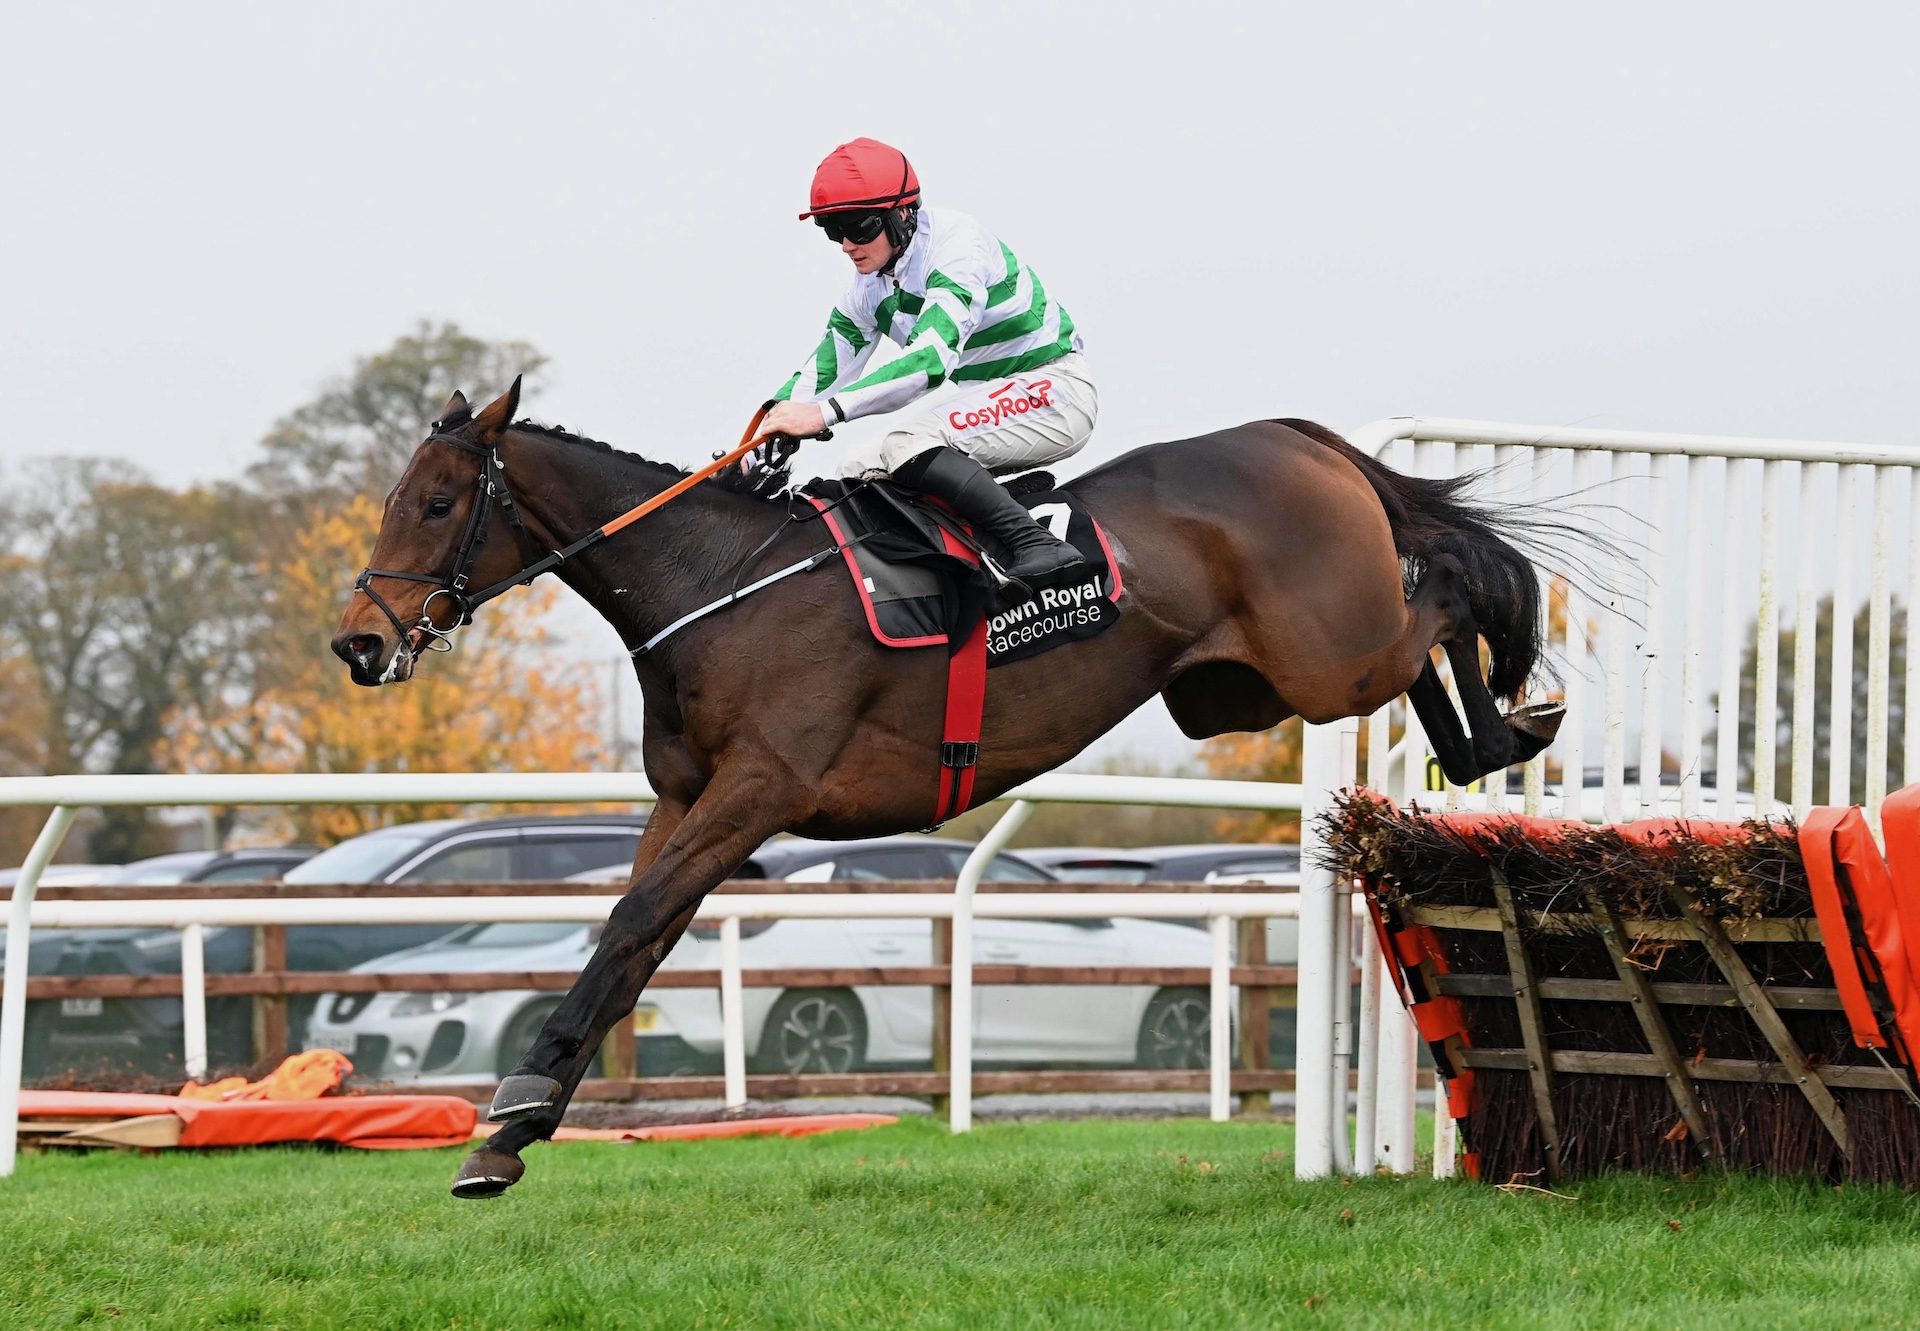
132	616
357	434
1822	707
22	732
122	604
487	706
1267	755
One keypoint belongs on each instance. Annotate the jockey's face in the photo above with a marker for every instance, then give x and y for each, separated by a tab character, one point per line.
870	257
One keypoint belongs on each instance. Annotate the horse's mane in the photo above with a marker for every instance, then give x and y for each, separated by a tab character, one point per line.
563	435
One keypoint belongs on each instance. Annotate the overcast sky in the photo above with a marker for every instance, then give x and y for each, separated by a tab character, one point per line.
1679	216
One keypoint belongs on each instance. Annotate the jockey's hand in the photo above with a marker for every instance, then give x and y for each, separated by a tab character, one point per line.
796	420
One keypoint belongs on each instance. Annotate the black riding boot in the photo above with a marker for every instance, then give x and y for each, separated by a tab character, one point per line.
1034	557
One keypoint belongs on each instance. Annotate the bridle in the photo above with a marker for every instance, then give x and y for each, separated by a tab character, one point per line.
491	488
423	634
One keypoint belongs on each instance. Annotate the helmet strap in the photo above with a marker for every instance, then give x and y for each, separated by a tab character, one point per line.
901	223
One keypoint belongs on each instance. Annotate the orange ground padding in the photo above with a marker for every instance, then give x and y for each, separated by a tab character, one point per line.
795	1125
374	1122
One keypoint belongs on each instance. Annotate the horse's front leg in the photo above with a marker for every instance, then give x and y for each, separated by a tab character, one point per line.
738	811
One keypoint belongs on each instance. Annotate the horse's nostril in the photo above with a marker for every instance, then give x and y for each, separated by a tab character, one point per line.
360	650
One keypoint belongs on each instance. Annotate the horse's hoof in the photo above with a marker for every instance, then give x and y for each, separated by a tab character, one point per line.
521	1094
487	1173
1541	720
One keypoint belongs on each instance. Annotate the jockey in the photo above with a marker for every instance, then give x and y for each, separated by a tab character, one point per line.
968	314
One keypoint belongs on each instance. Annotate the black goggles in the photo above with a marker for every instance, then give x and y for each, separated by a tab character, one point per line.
860	228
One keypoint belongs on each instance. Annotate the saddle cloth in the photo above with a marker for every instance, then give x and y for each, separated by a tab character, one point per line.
921	586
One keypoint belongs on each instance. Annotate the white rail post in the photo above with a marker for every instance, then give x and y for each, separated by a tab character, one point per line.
1806	612
1220	1022
1399	1062
1766	646
1347	737
733	1025
1446	1140
1653	698
1396	1052
13	999
960	1056
1366	1107
1313	1013
1910	742
1840	665
193	997
1879	644
1614	628
1733	639
1693	655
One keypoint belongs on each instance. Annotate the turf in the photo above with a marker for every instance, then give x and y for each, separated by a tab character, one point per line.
1096	1224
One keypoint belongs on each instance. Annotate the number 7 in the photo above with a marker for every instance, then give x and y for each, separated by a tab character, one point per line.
1054	517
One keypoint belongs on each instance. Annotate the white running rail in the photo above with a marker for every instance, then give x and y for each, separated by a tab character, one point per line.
66	794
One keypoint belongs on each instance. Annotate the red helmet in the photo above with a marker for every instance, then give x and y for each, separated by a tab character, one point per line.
860	176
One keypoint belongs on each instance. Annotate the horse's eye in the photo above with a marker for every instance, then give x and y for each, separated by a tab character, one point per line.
439	508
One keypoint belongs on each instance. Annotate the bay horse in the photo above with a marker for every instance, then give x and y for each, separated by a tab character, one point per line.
1267	570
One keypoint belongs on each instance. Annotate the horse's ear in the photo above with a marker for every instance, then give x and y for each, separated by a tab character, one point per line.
456	406
499	413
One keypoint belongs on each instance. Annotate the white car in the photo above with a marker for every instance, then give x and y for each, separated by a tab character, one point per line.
454	1036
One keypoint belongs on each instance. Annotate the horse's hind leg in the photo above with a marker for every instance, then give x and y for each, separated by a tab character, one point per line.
1497	740
1452	748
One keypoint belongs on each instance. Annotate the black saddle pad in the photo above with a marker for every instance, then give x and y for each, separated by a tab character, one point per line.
921	585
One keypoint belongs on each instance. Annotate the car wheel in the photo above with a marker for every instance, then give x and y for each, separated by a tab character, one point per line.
522	1031
818	1031
1175	1032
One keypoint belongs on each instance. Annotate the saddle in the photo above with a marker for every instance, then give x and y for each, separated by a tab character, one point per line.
923	579
919	573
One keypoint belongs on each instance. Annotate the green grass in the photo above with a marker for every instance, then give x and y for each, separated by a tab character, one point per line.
1052	1225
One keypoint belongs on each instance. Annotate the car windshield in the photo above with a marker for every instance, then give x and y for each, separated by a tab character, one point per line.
358	861
514	935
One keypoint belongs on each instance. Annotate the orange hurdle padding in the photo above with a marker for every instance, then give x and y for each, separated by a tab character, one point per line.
1889	895
1822	853
369	1121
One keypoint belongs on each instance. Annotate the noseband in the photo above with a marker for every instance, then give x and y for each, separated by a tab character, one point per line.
491	489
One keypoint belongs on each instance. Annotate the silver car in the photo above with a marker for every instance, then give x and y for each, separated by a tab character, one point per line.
451	1036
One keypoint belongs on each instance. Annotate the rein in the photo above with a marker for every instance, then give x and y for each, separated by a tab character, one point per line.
423	634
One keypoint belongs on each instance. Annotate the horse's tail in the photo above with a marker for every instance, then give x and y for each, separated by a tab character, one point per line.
1432	517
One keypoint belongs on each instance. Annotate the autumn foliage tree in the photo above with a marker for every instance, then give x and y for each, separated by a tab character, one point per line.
491	705
120	603
22	744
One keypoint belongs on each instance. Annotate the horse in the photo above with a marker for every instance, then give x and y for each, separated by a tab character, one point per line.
1270	570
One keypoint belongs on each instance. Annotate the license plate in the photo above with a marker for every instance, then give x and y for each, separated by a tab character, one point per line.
646	1019
82	1007
342	1044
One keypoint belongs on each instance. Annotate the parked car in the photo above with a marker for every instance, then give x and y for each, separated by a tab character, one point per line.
1276	864
43	945
455	1036
1224	864
147	1032
258	864
64	875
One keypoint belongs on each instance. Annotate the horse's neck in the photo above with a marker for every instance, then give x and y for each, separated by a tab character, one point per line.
648	574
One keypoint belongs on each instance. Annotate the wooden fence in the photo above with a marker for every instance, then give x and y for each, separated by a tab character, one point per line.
1261	987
